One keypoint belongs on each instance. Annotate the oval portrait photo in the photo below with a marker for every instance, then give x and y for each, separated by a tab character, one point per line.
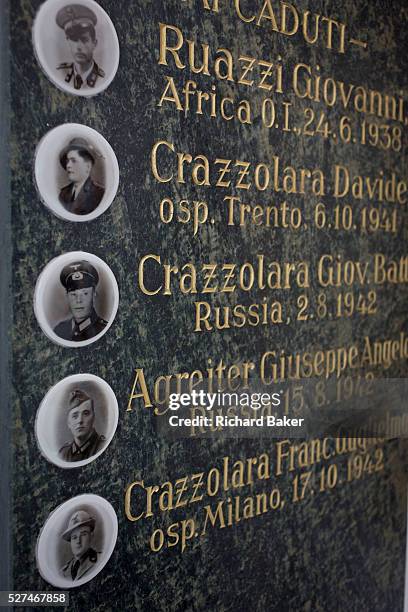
76	299
76	46
76	172
77	541
76	421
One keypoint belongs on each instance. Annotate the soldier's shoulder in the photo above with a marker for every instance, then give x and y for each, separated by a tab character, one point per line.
64	328
65	66
66	188
100	440
99	325
96	188
67	566
99	70
65	448
96	73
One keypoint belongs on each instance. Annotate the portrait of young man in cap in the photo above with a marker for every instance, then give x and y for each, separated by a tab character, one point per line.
79	23
79	534
82	195
85	441
80	280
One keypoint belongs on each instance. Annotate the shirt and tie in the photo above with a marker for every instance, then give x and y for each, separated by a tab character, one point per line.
76	568
81	78
81	199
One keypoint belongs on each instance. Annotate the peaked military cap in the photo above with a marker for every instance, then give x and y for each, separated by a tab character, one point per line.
79	275
78	519
76	398
76	19
77	144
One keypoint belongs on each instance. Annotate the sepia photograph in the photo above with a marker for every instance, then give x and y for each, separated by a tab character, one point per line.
76	172
81	195
76	299
76	46
76	421
204	225
80	536
76	541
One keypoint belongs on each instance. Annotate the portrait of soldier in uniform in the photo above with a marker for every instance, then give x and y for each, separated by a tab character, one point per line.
80	280
86	441
79	533
82	195
79	25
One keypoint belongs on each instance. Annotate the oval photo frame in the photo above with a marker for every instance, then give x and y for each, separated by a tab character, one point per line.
51	305
54	184
57	56
51	429
54	551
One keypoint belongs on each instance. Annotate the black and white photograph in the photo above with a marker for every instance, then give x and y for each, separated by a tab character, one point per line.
76	172
76	541
76	46
76	299
76	421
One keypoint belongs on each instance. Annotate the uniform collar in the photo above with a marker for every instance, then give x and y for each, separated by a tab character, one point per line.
77	450
87	561
90	77
85	323
84	75
85	186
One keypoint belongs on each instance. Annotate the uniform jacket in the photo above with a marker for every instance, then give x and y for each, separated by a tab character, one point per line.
72	452
87	200
86	563
70	75
91	327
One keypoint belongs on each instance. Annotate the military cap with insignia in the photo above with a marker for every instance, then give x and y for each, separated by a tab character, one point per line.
77	398
78	519
79	275
76	19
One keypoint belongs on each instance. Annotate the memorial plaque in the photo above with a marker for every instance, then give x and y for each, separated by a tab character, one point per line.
204	323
